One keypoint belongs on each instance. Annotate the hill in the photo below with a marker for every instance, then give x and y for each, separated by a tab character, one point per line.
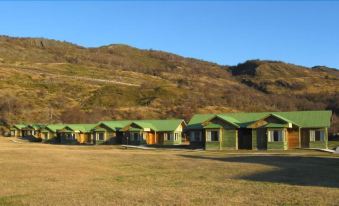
45	80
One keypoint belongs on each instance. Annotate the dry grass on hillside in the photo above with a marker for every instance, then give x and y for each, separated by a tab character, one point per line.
41	174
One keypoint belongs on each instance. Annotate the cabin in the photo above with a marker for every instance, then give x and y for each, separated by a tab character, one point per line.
76	134
262	130
154	132
49	132
32	131
109	132
16	130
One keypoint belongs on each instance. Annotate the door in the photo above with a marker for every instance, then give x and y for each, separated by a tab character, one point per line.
150	138
245	138
261	138
292	138
305	139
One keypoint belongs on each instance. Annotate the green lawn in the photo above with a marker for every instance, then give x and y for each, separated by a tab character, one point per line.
42	174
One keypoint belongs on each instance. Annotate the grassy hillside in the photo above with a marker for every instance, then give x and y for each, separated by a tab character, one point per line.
51	81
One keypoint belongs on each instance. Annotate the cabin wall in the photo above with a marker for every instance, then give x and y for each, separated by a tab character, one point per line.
305	139
228	139
213	145
52	137
281	145
172	140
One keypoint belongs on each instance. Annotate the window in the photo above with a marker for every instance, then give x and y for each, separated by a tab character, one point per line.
275	135
101	136
213	136
317	135
167	136
176	136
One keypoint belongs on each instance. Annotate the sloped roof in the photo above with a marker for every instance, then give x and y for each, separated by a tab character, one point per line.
79	127
115	125
158	125
226	118
34	126
55	127
212	126
300	118
20	126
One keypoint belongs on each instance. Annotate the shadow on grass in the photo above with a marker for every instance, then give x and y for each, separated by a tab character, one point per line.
293	170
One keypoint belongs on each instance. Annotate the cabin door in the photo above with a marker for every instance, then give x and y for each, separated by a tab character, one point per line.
150	138
292	138
305	139
245	138
261	138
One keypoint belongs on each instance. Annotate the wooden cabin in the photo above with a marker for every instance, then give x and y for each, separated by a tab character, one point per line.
16	130
49	132
154	132
32	131
76	134
264	130
109	132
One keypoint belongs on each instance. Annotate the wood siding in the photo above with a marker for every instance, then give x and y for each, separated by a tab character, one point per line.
293	138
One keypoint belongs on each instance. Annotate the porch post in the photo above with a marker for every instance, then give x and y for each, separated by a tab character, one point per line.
299	133
220	139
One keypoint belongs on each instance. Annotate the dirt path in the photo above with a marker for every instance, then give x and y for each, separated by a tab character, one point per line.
108	81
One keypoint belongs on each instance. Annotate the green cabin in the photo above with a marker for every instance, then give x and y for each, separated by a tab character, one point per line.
260	130
154	132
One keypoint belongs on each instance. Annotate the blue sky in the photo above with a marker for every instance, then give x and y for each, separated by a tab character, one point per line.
305	33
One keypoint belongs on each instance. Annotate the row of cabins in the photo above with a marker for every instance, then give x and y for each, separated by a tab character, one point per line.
133	132
264	130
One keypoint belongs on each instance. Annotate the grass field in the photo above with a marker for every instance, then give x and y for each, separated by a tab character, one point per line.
42	174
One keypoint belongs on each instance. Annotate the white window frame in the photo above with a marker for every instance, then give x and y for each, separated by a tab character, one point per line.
209	135
166	136
312	135
176	136
98	136
270	135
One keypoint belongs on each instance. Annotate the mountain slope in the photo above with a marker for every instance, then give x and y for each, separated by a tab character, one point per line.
45	80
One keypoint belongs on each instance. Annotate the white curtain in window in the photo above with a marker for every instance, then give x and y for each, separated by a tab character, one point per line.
208	138
270	135
312	135
171	136
280	135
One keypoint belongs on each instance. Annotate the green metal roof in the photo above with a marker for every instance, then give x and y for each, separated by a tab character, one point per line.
299	118
212	126
80	127
19	126
160	125
54	127
115	125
